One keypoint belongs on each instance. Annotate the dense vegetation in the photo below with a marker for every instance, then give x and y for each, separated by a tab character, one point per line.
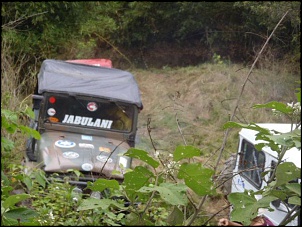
198	46
134	31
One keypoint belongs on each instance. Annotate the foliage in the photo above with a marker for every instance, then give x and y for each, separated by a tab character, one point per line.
53	21
10	123
77	29
267	14
11	213
143	198
281	183
152	194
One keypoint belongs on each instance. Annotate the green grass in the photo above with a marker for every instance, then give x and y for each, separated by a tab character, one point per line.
204	97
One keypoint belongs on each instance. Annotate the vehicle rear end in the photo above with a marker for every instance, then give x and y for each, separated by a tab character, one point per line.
87	118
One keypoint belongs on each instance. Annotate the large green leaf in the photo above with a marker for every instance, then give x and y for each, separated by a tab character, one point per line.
198	178
245	206
287	172
7	144
93	203
13	199
10	115
296	200
28	111
137	178
279	106
5	190
30	132
294	187
28	182
252	126
22	214
101	184
39	175
182	152
143	156
281	194
271	144
176	217
288	139
174	194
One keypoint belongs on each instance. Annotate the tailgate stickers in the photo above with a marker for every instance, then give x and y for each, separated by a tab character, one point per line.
103	158
70	155
87	121
87	167
123	161
104	149
86	145
84	137
92	106
65	144
51	111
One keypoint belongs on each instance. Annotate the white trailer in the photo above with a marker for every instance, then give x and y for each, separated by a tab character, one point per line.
249	158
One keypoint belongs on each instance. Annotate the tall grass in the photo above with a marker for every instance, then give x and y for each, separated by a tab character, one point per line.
201	100
13	98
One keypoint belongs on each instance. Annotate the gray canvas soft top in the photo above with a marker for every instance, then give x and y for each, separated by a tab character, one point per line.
63	77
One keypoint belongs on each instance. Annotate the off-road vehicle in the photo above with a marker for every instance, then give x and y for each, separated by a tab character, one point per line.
87	117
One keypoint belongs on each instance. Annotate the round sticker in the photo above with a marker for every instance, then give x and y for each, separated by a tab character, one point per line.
70	155
87	167
92	106
103	158
65	144
51	111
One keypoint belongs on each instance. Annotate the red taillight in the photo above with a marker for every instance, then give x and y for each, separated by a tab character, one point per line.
52	99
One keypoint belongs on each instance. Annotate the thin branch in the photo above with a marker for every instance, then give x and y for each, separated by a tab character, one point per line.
19	21
179	129
242	89
263	37
286	219
212	216
114	47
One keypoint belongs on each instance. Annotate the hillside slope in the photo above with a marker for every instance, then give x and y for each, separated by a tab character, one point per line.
201	99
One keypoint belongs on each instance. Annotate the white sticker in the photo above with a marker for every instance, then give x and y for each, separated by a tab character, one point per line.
92	106
86	145
51	111
86	121
86	137
103	158
70	155
65	144
123	161
87	167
